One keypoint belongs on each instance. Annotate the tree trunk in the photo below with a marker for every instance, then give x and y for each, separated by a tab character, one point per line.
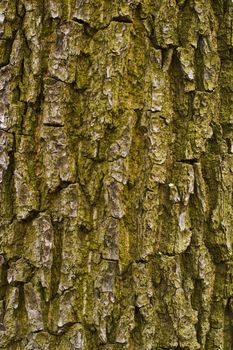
116	174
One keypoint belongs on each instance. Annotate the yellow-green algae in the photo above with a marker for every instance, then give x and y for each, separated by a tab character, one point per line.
116	175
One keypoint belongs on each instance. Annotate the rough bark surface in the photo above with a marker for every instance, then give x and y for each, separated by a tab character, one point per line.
116	174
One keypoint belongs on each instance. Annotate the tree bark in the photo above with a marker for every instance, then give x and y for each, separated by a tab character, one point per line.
116	173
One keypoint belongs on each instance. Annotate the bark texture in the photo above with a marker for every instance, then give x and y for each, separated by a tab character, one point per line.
116	174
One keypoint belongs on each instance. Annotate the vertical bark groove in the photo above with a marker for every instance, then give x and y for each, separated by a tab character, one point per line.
116	174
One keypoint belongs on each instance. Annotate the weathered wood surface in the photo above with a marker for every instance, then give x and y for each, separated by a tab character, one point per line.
116	174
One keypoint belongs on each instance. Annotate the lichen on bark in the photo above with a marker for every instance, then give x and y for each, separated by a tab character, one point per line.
116	174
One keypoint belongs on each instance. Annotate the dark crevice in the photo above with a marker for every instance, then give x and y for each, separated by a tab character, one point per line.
80	21
53	77
108	259
6	53
225	6
229	316
62	330
136	334
57	258
20	10
188	161
228	142
9	178
182	5
54	125
2	327
199	65
61	186
6	131
197	305
123	19
89	31
31	216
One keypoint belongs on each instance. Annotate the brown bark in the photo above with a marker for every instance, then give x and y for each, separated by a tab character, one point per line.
116	172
